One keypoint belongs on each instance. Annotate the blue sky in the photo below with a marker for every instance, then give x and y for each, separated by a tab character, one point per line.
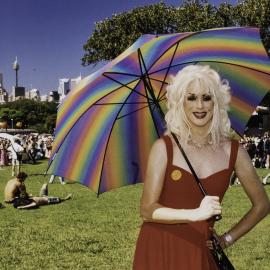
47	36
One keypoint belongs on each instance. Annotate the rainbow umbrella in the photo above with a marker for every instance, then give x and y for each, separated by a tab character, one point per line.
106	126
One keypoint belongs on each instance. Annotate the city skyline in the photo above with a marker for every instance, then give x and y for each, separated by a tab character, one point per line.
48	38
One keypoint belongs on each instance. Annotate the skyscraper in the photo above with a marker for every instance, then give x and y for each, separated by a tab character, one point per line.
3	92
64	86
74	82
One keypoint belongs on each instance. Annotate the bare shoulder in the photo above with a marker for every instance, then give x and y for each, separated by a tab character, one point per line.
243	165
242	156
159	146
12	181
158	152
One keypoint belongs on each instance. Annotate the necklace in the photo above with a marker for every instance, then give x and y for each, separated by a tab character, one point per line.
200	144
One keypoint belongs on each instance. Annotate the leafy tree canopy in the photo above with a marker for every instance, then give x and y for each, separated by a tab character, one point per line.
113	35
37	115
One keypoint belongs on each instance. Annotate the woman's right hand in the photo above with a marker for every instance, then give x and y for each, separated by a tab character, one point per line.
209	207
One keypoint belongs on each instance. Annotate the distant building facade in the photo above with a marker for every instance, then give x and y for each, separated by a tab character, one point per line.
74	82
18	92
3	92
66	85
44	98
53	96
33	94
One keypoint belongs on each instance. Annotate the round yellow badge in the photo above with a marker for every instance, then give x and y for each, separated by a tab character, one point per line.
176	175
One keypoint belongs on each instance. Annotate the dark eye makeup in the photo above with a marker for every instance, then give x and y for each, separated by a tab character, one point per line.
193	97
206	97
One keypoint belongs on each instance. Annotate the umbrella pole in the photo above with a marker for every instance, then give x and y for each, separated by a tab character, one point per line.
191	168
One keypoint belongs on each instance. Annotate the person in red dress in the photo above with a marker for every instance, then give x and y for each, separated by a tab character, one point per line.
177	218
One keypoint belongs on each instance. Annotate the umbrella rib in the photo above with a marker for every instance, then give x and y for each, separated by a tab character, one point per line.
137	76
115	103
167	72
145	75
157	80
131	112
148	85
132	90
122	73
178	41
149	89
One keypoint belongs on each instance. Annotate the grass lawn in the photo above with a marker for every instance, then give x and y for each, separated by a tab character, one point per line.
87	232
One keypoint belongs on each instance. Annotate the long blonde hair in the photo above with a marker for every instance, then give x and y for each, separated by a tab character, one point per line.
202	77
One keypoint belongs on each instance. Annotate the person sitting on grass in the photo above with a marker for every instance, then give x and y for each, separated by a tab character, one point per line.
15	192
15	188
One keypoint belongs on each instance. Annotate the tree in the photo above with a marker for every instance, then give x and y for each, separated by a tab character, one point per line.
255	13
33	114
225	15
195	16
50	123
113	35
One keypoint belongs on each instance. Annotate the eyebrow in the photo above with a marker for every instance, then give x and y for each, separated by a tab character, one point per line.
206	94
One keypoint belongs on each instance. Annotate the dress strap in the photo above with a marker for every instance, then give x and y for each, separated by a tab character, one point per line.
169	149
233	155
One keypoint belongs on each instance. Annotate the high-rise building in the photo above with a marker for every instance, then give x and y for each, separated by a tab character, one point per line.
3	92
74	82
1	80
18	92
53	96
33	94
64	86
44	98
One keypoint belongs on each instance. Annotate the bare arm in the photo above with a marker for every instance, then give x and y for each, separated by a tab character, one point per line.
28	206
152	211
254	190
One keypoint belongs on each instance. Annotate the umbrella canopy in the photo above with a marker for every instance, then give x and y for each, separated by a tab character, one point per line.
106	126
7	137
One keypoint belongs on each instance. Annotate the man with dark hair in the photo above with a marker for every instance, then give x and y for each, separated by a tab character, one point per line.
16	188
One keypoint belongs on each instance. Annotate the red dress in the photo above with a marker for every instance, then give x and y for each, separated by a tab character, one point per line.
181	246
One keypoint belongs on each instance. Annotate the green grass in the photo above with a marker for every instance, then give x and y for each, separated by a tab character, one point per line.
100	233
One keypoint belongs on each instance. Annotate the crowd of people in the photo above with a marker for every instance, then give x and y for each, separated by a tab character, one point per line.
33	147
258	149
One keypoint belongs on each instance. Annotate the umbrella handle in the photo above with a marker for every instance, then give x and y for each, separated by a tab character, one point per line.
216	217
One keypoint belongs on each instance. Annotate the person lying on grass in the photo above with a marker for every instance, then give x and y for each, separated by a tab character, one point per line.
34	202
15	192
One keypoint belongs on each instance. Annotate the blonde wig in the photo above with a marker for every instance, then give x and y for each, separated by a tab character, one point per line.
200	78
